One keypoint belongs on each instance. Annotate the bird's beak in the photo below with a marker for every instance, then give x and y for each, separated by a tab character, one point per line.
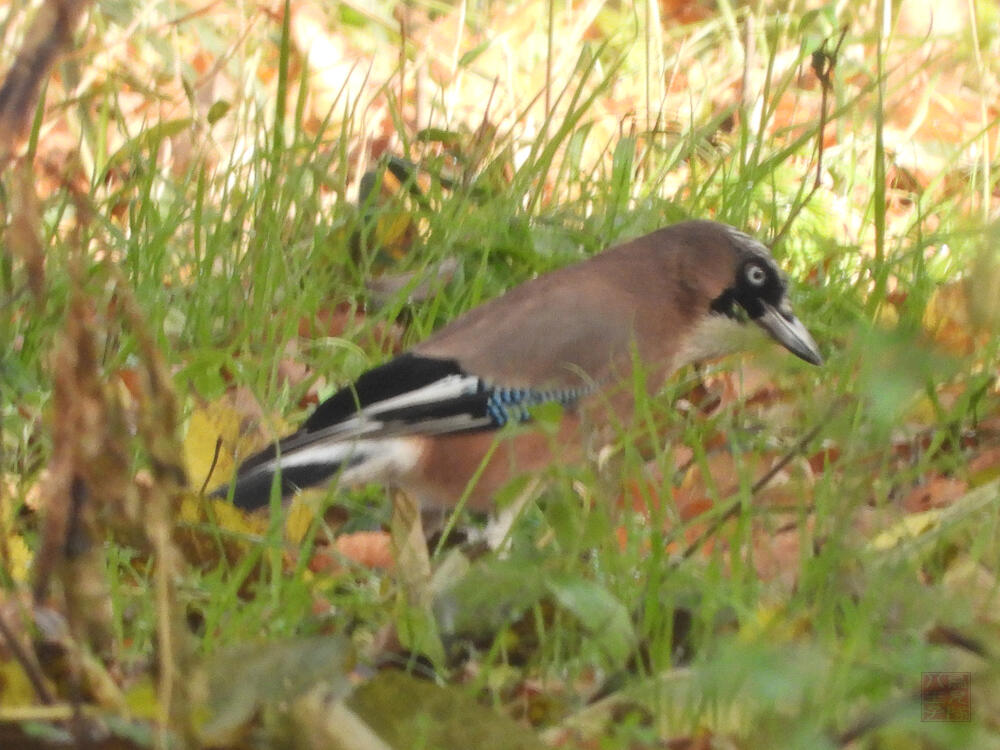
781	323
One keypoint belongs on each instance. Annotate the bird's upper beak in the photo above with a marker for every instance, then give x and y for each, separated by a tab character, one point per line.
780	322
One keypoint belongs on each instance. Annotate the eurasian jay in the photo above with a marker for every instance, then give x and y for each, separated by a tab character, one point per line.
426	421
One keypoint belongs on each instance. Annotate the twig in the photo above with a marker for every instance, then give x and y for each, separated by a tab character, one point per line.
48	36
823	63
735	505
211	468
882	716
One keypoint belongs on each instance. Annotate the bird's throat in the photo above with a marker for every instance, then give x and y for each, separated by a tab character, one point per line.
714	336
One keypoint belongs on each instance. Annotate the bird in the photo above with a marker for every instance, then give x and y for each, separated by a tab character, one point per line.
435	421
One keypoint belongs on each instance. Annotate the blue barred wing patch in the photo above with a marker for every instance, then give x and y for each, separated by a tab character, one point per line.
505	405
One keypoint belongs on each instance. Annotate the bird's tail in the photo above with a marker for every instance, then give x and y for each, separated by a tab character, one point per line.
309	466
298	462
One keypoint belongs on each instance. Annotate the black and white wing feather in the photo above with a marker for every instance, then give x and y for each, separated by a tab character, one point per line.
360	432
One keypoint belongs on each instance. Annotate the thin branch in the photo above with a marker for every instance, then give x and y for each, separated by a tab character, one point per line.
46	39
881	717
734	507
823	64
211	469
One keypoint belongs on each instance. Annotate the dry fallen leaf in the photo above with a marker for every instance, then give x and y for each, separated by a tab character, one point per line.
948	323
370	549
934	492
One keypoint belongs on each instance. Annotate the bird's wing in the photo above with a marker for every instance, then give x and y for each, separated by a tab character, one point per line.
410	395
414	394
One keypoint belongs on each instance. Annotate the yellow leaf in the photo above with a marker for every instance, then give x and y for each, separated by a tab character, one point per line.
910	527
394	232
218	428
300	515
15	687
955	315
772	623
196	509
20	558
141	699
217	424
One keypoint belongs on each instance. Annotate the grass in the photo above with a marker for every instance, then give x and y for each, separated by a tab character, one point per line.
795	625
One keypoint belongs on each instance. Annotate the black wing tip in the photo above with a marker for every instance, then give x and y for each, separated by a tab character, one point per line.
252	490
249	493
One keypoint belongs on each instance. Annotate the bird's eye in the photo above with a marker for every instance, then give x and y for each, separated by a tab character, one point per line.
756	275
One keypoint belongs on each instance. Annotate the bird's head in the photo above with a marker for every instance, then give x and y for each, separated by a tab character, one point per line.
742	283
